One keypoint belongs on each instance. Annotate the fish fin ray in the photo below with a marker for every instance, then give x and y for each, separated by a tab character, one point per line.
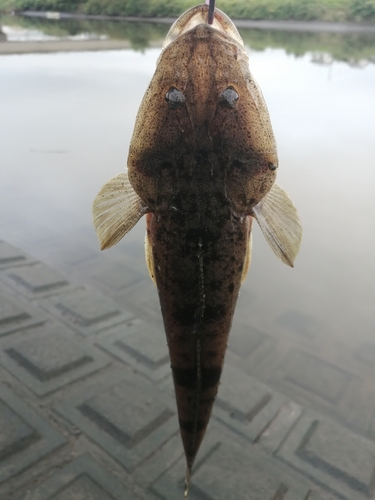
249	251
116	210
280	224
187	481
149	258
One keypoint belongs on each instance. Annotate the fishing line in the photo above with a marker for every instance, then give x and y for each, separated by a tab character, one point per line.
211	11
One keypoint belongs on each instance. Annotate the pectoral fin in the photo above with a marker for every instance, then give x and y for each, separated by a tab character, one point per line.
148	250
249	250
280	224
116	210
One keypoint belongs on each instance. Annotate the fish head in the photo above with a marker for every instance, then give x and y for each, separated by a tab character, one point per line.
203	102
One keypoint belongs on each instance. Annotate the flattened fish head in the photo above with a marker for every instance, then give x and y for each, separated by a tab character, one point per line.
203	97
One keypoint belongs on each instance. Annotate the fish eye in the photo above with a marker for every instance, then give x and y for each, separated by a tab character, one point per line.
229	98
175	98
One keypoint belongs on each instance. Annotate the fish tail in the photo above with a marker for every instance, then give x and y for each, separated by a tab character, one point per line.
187	481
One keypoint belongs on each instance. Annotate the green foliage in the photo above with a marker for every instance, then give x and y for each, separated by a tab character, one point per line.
349	47
307	10
7	5
48	5
139	34
362	10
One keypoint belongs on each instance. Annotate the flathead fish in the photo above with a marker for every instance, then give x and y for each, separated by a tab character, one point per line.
202	166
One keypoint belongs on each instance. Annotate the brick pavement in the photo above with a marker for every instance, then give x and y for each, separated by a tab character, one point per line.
87	408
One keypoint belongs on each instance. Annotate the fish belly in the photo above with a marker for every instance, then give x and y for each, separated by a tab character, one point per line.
198	263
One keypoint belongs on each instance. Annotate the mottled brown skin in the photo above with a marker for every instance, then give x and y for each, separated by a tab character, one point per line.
200	169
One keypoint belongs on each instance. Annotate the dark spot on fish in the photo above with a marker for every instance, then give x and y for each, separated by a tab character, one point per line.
237	164
191	426
166	165
201	155
185	284
210	377
214	285
211	354
205	235
207	402
185	315
211	335
231	288
214	313
228	98
175	98
184	357
187	377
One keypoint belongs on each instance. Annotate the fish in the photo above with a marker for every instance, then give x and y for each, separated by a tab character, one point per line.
201	167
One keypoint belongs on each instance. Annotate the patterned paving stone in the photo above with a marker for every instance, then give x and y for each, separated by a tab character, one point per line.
332	455
48	358
257	438
15	315
74	256
124	414
143	298
245	341
142	346
249	408
226	469
316	376
300	323
117	277
25	437
82	479
11	256
278	428
246	405
160	461
36	281
86	311
366	353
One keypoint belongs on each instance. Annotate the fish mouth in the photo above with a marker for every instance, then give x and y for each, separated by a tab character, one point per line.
199	15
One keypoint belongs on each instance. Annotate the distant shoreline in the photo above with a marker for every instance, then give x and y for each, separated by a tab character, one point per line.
276	25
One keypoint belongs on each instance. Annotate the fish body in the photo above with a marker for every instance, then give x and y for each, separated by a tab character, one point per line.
202	165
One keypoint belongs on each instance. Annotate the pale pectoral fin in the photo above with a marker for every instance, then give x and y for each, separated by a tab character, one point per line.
149	258
249	250
116	210
280	224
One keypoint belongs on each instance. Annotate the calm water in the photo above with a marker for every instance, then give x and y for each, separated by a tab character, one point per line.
65	125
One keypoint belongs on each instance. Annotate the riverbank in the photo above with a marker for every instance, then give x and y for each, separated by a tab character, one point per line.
280	10
274	25
52	32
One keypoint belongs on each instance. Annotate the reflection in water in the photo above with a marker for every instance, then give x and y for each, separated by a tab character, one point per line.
340	46
66	124
141	35
3	36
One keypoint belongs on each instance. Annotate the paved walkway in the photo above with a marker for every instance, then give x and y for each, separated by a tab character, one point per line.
87	408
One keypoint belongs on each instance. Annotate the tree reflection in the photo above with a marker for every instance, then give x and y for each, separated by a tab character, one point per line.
353	48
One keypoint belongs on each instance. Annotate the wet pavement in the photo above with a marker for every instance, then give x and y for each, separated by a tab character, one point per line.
87	408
